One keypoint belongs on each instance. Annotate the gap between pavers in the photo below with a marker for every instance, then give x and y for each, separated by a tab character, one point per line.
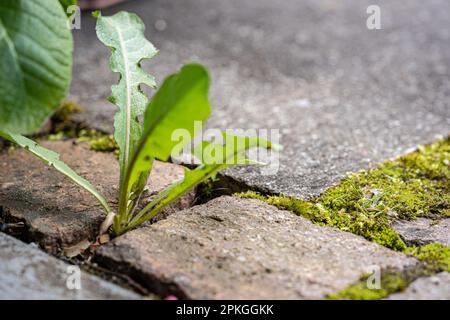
436	287
233	248
55	211
27	273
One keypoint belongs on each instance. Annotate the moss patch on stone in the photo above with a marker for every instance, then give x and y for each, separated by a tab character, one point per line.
104	143
364	203
99	141
370	225
414	185
435	257
63	125
390	282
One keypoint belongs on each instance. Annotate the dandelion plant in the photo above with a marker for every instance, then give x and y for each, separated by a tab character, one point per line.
144	127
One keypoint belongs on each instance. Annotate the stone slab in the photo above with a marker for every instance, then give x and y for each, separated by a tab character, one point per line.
233	248
423	231
343	96
436	287
55	211
26	273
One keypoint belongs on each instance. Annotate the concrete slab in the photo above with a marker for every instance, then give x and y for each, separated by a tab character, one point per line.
26	273
56	212
233	248
342	95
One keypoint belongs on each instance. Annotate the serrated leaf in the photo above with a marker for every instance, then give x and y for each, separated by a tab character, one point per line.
35	62
123	33
51	158
181	100
231	156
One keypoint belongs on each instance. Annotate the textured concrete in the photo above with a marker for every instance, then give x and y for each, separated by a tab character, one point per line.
55	211
232	248
433	288
423	231
26	273
343	96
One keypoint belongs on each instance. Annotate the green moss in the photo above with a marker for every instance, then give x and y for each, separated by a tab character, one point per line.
415	185
99	141
63	125
374	227
303	208
104	143
435	257
391	282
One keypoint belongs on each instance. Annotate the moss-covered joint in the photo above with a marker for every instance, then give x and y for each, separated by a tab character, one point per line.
365	203
434	258
62	122
390	282
63	126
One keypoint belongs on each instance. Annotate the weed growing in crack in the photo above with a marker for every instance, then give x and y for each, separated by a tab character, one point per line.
144	127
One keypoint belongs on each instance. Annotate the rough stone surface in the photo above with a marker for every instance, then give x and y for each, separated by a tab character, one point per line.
423	231
28	273
436	287
233	248
343	96
55	211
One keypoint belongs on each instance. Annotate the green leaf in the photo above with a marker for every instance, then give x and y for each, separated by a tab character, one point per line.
231	156
123	33
51	158
67	3
35	62
181	100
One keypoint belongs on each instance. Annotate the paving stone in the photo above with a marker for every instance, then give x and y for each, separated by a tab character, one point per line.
56	212
423	231
436	287
343	96
233	248
28	273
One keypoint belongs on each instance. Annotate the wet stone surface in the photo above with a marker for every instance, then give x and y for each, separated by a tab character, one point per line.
232	248
54	211
28	273
422	231
436	287
343	96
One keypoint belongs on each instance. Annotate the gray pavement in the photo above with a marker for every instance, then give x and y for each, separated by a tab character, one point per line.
343	96
436	287
26	273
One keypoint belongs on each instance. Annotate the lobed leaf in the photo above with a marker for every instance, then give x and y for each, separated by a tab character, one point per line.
123	33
